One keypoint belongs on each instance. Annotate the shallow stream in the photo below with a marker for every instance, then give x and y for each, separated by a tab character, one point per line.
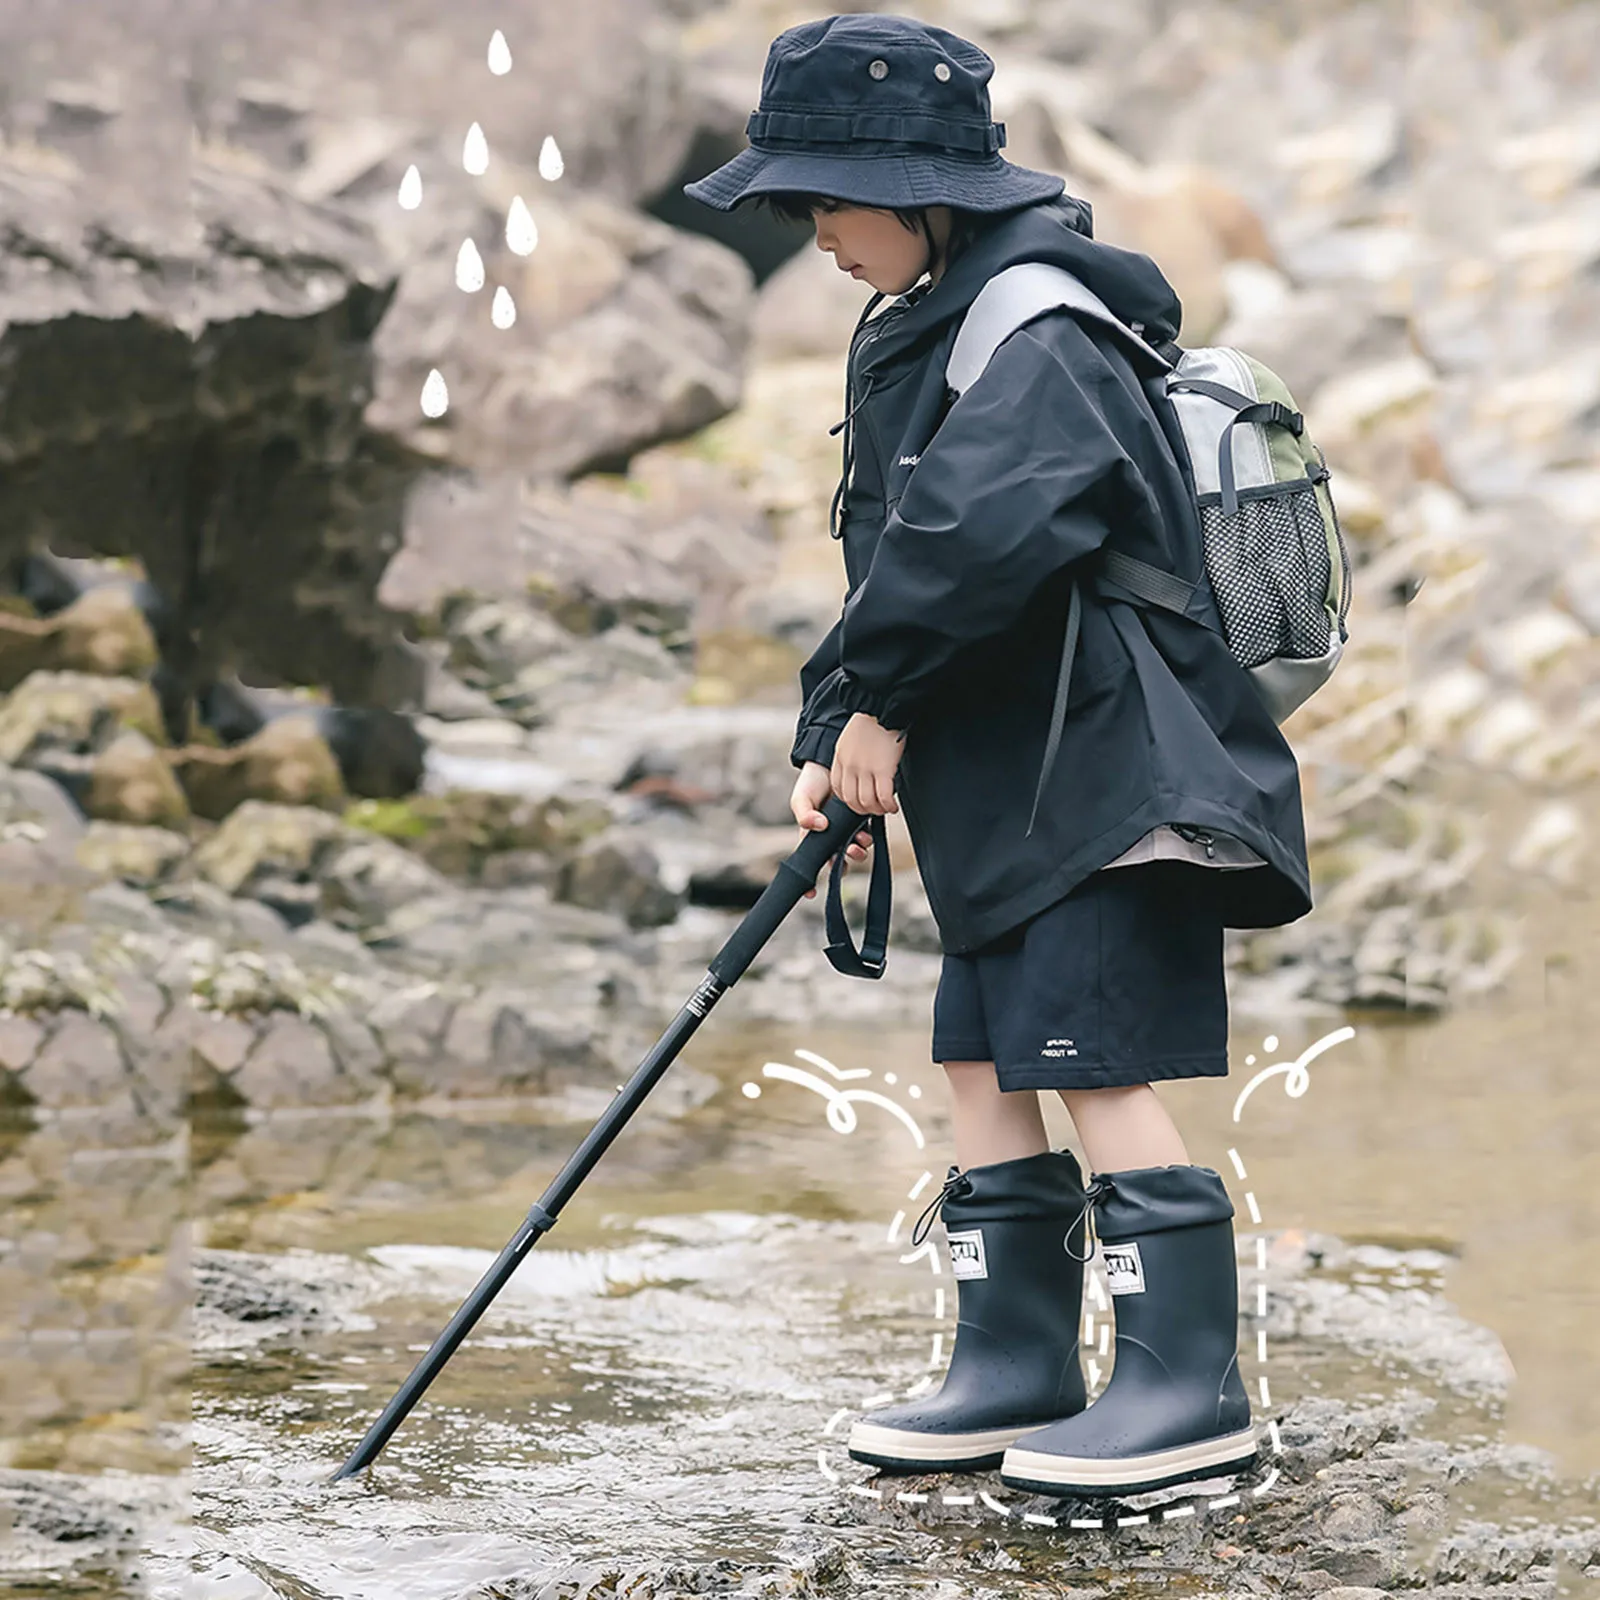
667	1378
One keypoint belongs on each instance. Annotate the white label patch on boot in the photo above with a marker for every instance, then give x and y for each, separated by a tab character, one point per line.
1124	1270
966	1255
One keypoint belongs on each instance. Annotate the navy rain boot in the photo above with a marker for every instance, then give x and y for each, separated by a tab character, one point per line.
1175	1408
1016	1232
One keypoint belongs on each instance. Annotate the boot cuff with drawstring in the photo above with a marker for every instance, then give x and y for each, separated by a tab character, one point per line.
1150	1199
1029	1186
1046	1185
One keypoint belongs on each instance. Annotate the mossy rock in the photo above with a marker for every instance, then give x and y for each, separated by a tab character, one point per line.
458	831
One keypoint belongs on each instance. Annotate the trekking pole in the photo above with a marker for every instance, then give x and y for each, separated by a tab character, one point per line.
796	874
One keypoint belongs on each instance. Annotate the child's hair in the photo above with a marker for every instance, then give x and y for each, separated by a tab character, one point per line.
965	226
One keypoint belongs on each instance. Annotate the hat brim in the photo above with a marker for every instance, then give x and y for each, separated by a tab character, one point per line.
883	180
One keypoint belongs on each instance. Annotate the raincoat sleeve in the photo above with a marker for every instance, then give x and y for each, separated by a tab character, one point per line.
1015	484
822	718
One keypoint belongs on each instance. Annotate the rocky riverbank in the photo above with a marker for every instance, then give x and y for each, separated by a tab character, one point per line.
606	550
1373	1477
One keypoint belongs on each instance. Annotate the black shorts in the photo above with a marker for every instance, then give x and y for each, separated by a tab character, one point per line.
1119	982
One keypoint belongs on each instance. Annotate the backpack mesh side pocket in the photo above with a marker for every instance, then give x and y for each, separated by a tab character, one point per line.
1269	567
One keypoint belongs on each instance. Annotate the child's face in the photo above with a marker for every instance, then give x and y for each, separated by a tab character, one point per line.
889	255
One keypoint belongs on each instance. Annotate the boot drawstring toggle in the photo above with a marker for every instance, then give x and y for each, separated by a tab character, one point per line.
1098	1190
956	1183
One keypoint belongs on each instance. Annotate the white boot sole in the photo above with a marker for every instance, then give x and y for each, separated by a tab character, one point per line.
903	1446
1037	1470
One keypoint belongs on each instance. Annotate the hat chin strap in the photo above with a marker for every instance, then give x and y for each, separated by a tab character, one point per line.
927	239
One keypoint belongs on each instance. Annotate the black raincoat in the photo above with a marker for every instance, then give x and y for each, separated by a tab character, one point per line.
963	526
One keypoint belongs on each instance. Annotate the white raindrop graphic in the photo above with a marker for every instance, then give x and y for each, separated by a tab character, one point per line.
522	233
499	55
550	163
504	310
435	396
475	152
410	196
469	268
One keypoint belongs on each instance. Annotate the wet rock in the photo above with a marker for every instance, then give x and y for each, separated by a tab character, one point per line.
356	1050
738	757
379	752
514	570
1347	406
287	763
81	1063
224	1284
1553	842
242	1299
493	640
260	841
1353	1519
135	347
139	856
459	833
445	698
364	881
63	1509
1531	644
34	805
613	874
517	869
131	781
292	1063
410	1025
73	713
502	1041
103	631
617	660
217	1047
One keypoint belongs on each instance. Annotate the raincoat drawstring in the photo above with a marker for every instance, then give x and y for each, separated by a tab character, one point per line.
848	447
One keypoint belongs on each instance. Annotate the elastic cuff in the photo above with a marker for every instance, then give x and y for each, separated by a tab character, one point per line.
815	743
856	696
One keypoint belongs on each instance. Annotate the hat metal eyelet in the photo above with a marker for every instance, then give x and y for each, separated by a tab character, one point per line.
942	72
879	69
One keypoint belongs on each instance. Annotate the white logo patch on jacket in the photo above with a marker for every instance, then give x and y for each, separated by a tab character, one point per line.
908	461
966	1255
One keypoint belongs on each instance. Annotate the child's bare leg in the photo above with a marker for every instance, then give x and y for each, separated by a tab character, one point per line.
991	1125
1122	1129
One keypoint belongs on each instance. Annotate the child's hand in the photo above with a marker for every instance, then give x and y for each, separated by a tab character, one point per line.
811	789
865	761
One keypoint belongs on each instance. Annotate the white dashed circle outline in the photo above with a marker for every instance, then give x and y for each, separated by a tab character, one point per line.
1097	1335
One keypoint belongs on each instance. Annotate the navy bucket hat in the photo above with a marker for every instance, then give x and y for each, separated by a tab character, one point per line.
878	111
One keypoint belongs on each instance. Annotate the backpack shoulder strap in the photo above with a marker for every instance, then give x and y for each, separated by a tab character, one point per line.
1016	296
